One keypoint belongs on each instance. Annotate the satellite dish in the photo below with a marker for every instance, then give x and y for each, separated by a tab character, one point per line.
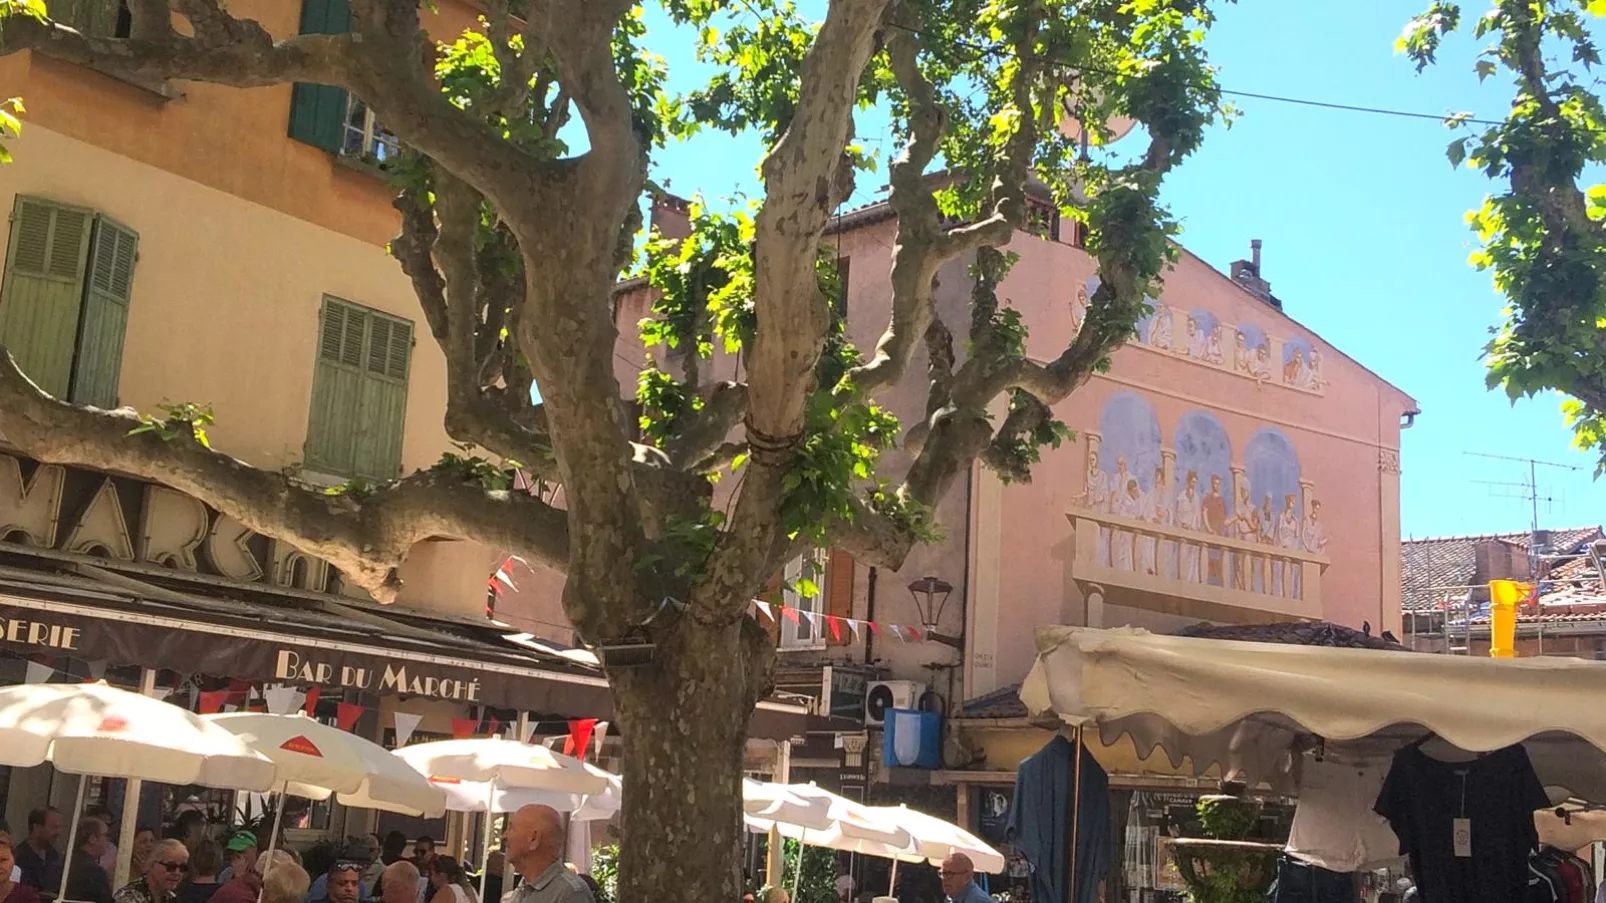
1071	127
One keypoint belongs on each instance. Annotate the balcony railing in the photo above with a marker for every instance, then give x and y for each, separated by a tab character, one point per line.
1188	565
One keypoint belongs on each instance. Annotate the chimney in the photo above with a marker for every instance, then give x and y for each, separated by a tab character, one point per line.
1247	274
671	215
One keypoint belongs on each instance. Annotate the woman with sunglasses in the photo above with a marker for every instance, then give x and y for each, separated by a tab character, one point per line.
169	863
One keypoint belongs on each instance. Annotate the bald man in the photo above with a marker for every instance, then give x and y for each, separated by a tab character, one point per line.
399	883
535	847
959	880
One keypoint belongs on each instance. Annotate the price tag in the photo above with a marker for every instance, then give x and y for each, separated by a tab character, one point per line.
1461	837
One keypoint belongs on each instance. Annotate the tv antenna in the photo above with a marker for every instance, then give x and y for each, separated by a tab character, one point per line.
1527	491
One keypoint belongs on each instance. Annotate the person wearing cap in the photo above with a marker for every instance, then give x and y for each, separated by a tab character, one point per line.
242	852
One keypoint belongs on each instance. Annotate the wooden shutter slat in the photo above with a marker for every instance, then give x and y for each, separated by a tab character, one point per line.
318	112
839	592
98	365
42	296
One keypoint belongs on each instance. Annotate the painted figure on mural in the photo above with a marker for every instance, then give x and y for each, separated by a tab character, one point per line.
1156	510
1160	327
1313	372
1128	504
1262	365
1119	485
1314	534
1119	541
1243	357
1096	497
1267	537
1213	510
1194	341
1246	529
1288	537
1188	513
1213	353
1295	373
1079	309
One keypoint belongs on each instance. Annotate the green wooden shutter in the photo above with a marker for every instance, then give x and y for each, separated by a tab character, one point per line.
383	408
42	295
332	427
318	112
99	363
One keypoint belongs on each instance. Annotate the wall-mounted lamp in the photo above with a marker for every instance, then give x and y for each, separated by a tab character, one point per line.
931	597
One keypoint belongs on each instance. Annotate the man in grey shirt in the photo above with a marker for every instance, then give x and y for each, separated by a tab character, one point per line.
535	845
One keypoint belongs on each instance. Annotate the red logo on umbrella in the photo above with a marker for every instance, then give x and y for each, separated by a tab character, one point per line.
437	779
112	724
300	744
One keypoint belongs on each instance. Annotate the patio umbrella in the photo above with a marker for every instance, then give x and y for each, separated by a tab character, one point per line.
935	840
87	729
850	827
767	802
470	796
505	764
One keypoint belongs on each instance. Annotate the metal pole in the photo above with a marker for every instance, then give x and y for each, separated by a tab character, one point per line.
72	837
1075	813
485	849
273	838
802	848
131	789
892	882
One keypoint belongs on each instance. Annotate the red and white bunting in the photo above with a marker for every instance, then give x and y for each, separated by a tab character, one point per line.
406	723
857	625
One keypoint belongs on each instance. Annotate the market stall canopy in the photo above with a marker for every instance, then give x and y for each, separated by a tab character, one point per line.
96	729
934	840
316	760
1242	706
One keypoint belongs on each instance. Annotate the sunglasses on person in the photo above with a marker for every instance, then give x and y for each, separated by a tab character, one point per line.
348	865
180	867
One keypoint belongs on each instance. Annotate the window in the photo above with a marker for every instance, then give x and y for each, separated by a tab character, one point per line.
359	392
64	300
318	113
97	18
365	139
804	634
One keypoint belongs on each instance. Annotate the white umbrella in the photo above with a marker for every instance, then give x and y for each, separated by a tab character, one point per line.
850	826
470	796
86	729
935	840
505	764
768	803
316	760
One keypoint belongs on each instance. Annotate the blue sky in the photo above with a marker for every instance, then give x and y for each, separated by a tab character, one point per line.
1364	239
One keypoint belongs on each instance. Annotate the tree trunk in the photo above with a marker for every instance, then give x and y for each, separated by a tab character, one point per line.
683	724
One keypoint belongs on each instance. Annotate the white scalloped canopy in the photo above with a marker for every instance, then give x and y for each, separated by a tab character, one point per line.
1242	706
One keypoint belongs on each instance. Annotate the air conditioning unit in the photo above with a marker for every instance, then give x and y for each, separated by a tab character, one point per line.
885	695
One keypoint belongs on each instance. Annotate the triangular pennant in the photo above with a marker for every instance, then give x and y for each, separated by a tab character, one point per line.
874	627
915	633
898	632
854	625
406	723
602	734
311	707
464	728
38	672
212	701
97	669
528	731
765	607
790	613
814	620
579	741
836	627
280	699
346	715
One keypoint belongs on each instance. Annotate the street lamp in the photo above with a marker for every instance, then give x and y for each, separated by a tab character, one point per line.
931	597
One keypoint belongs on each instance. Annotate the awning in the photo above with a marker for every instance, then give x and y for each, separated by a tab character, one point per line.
1243	706
232	638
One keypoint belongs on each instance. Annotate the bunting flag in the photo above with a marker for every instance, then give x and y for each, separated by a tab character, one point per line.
579	741
97	669
39	670
212	701
853	625
836	627
602	734
914	633
903	632
528	732
346	715
311	706
464	728
406	723
280	699
766	608
790	614
897	632
874	627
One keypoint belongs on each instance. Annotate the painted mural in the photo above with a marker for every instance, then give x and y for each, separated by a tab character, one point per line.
1198	335
1185	505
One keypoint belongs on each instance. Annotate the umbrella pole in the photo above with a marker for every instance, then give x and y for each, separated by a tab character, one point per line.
273	837
892	881
1076	811
802	847
72	837
485	848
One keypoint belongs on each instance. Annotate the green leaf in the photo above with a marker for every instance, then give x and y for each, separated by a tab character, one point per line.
1457	151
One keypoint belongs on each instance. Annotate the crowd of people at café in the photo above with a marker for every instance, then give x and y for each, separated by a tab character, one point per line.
189	865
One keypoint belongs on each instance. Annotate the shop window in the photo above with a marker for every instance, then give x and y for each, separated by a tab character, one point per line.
359	392
64	301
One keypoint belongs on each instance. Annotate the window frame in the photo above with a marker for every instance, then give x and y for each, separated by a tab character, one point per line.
801	636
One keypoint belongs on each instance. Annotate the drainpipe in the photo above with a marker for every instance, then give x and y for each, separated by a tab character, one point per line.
869	615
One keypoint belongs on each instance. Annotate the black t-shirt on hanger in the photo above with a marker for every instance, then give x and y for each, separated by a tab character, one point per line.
1423	798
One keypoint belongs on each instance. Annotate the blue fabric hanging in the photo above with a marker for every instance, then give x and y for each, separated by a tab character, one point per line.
1039	828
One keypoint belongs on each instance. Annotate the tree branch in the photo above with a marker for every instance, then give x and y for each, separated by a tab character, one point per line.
365	538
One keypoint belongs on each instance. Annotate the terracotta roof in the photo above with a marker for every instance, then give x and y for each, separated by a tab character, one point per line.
1430	565
1005	701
